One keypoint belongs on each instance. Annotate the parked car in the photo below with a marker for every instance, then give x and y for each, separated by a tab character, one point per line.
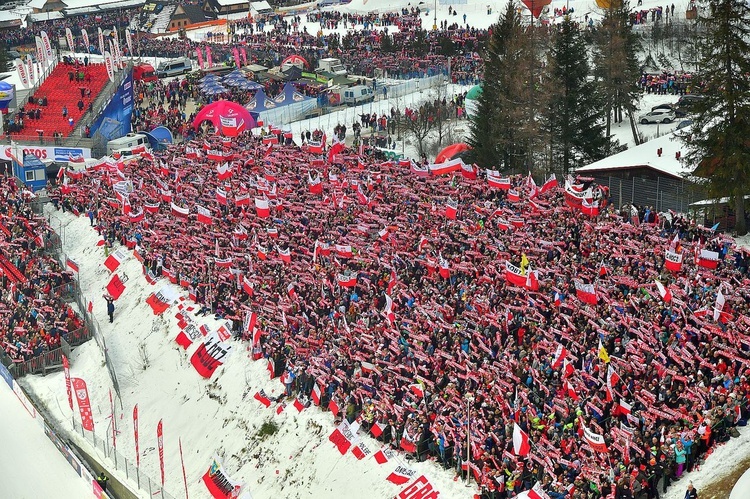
683	124
686	103
657	116
663	106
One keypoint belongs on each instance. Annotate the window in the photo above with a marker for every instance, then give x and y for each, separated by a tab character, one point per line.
30	176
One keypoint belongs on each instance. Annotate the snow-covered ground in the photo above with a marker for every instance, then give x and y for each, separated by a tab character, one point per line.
741	489
32	466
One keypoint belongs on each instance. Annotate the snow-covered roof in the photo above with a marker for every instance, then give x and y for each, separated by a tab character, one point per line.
226	3
79	6
261	7
36	4
646	156
44	16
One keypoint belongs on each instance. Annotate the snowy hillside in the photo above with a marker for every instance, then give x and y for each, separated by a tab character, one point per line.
216	416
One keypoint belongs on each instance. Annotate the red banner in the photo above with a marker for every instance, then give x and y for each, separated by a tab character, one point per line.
84	404
66	370
135	433
160	443
211	354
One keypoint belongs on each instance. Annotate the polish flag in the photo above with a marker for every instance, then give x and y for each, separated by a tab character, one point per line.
261	208
315	185
521	446
316	394
595	440
345	281
270	369
719	306
361	451
71	266
383	234
151	208
401	475
407	445
221	196
162	299
299	405
224	170
115	287
586	292
384	455
549	184
665	293
569	390
389	314
247	286
204	215
560	353
612	379
261	251
377	429
445	268
261	397
708	259
673	261
590	208
536	492
115	259
333	407
242	200
468	171
344	251
568	369
285	255
513	196
340	437
417	389
624	408
495	180
451	209
179	211
291	290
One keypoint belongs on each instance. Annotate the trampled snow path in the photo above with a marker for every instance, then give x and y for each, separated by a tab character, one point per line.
217	416
31	465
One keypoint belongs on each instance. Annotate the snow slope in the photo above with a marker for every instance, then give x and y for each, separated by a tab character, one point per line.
741	489
216	416
28	455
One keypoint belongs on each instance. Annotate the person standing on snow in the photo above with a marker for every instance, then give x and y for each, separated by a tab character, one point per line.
110	307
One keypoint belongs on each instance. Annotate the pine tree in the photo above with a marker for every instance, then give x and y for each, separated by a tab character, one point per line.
5	63
574	117
719	140
495	129
616	65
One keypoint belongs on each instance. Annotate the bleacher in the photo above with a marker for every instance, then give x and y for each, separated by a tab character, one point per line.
61	92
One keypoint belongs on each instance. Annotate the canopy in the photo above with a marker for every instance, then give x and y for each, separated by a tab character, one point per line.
474	92
289	95
228	110
260	102
450	152
295	60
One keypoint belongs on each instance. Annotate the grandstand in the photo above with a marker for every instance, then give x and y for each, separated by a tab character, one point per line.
153	18
62	90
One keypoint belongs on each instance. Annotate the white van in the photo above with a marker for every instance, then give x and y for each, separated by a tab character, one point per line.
357	94
129	141
179	66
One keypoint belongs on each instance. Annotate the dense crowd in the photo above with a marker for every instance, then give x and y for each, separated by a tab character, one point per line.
369	289
33	317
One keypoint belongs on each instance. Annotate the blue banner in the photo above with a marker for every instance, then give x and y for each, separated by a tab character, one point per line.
5	374
119	109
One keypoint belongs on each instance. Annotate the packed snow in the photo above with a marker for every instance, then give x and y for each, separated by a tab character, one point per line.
32	466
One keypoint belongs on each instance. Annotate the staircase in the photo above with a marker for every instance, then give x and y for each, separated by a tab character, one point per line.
61	92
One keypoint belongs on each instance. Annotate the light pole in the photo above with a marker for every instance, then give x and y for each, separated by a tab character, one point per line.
469	400
434	23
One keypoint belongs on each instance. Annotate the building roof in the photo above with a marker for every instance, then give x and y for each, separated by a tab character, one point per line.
645	156
36	4
227	3
261	7
193	13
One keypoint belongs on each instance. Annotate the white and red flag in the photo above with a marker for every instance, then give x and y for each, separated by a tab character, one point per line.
585	292
521	446
495	180
673	261
451	209
161	300
347	281
343	437
224	171
261	208
719	306
179	211
664	292
560	353
708	259
595	440
84	403
115	259
212	353
204	215
549	184
401	475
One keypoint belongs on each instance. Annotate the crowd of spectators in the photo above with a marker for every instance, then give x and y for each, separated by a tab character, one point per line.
33	316
431	307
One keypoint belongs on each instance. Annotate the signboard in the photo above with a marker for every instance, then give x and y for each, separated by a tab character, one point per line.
45	152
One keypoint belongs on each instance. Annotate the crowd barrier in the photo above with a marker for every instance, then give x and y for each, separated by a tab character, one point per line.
60	444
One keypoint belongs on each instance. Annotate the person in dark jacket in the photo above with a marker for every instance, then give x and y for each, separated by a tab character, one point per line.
691	492
110	307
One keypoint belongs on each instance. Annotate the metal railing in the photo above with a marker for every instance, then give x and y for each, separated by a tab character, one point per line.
74	140
48	361
121	463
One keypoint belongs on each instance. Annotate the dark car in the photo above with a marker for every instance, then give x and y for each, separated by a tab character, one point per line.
663	106
685	104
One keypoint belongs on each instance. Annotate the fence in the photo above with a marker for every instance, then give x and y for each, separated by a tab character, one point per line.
48	361
662	193
121	463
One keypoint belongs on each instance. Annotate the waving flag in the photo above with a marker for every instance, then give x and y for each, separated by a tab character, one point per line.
401	475
673	261
585	292
262	398
347	281
560	353
595	440
204	215
665	293
708	259
261	208
549	184
161	300
115	259
495	180
451	209
521	446
115	287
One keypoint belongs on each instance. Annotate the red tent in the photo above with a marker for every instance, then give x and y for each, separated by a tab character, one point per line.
295	60
228	117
